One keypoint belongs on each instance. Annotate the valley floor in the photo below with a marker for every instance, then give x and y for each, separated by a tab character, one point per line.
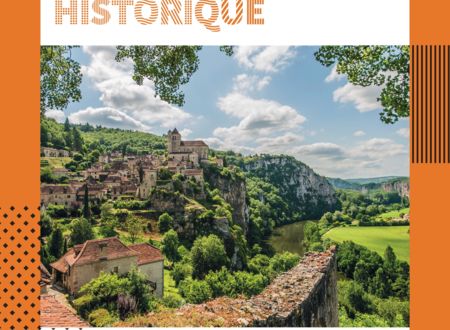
375	238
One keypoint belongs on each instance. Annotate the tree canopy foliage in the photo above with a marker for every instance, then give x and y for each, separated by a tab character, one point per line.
384	66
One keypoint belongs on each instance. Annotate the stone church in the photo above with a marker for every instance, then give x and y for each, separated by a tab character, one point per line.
186	150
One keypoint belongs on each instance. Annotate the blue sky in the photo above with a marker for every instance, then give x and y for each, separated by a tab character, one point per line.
261	100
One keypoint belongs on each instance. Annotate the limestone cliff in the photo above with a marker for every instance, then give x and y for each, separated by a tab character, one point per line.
308	194
192	220
401	186
233	190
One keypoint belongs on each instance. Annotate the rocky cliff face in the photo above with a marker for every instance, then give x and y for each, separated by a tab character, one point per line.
234	192
308	194
191	222
399	186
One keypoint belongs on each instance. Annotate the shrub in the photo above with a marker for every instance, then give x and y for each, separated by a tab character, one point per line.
170	245
165	222
126	306
84	305
222	283
172	301
101	318
195	291
181	271
282	262
250	284
208	254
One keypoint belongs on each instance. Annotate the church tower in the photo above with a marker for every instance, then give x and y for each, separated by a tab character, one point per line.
173	141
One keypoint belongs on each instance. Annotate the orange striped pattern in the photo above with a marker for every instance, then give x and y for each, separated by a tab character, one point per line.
207	22
60	11
123	9
430	104
174	12
226	15
106	16
139	15
252	11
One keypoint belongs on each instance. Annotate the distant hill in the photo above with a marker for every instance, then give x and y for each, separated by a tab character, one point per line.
366	183
382	179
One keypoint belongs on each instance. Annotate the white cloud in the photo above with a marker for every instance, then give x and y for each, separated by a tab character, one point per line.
247	83
121	94
359	133
185	133
373	157
364	98
334	75
57	115
265	59
403	132
278	144
107	117
259	118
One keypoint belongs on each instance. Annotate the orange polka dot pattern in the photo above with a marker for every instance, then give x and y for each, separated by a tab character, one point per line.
19	268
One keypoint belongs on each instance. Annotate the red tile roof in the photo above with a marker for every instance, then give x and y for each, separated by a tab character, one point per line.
91	251
193	144
55	314
147	253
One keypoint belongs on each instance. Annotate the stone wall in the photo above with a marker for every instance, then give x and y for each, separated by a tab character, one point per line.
305	296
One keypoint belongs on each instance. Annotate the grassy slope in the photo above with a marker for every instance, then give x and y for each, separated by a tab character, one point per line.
56	162
169	285
393	214
375	238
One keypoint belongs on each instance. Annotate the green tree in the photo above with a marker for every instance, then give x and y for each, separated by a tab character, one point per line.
195	291
108	220
56	242
60	78
384	66
208	254
80	231
165	222
181	271
46	224
66	125
134	227
390	259
77	143
170	245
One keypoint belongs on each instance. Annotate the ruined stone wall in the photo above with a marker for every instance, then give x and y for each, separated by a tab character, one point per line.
305	296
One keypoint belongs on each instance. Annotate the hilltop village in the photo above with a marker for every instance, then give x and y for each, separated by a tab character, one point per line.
117	176
139	230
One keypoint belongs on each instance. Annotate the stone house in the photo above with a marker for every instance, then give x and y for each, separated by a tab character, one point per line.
148	183
64	195
51	152
84	262
197	174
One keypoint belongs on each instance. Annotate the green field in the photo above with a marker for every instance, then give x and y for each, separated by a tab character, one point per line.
375	238
393	214
55	162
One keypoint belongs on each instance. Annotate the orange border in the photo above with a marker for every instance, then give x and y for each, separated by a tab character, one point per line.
19	174
430	223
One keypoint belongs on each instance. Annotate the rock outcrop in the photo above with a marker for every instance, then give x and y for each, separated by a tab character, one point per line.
305	296
308	194
234	192
400	186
